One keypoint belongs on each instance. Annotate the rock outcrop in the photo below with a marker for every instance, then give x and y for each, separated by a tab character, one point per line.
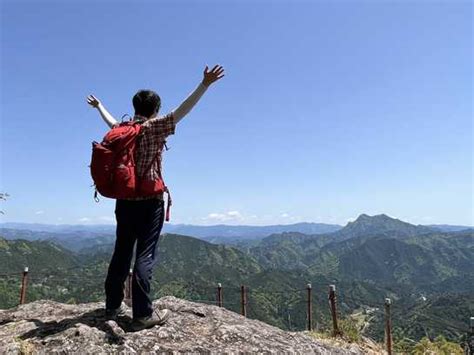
48	327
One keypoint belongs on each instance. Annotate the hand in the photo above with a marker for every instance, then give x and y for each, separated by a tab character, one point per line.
212	76
93	101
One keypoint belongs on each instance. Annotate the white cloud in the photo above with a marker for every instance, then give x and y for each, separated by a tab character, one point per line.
106	219
39	212
237	217
288	218
224	217
215	216
96	219
235	214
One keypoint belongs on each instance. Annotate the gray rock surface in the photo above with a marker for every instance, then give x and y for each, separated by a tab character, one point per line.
47	327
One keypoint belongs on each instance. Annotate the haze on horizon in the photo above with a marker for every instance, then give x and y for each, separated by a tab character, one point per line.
327	111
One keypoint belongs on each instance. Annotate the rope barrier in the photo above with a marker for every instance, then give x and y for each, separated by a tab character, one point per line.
290	306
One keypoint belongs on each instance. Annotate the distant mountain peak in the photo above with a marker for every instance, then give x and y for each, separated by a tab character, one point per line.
377	217
380	224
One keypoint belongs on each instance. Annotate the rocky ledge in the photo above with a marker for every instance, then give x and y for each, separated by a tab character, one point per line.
47	327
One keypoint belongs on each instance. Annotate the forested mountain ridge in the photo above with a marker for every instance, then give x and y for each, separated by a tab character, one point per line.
376	261
76	237
379	248
214	233
38	255
381	224
71	240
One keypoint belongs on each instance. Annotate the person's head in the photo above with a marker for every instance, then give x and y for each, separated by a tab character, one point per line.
146	103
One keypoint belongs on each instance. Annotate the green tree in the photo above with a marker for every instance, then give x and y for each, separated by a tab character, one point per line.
439	346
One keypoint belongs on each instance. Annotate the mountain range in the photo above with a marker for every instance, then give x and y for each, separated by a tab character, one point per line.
422	268
76	237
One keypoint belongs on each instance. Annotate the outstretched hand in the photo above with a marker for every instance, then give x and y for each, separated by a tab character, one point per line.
93	101
212	76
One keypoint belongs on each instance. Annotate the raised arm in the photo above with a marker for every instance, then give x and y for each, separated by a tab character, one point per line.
209	77
106	116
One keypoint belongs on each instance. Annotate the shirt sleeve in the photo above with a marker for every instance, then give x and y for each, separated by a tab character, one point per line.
187	105
160	127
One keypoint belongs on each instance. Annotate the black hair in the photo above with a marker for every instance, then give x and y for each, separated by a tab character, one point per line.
146	103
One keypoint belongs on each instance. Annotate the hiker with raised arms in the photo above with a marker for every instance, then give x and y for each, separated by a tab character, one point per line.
127	166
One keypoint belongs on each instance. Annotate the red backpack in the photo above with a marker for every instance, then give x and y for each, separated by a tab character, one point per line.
113	166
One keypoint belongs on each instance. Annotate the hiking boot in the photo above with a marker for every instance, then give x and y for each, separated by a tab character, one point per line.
156	318
113	314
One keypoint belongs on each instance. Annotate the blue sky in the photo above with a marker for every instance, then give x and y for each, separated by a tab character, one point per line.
327	109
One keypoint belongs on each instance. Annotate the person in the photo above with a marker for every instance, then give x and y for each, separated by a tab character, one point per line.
140	220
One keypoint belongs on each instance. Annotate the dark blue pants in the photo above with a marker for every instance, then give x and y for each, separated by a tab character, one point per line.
140	222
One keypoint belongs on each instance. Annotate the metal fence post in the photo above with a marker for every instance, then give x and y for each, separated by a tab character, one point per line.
332	302
470	338
388	326
219	295
24	283
310	308
243	301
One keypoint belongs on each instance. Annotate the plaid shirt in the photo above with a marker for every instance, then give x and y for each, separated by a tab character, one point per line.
150	143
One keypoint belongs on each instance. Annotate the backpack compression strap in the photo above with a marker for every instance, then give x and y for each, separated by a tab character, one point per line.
168	206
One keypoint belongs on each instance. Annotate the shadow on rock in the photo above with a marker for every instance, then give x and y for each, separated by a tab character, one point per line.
114	330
